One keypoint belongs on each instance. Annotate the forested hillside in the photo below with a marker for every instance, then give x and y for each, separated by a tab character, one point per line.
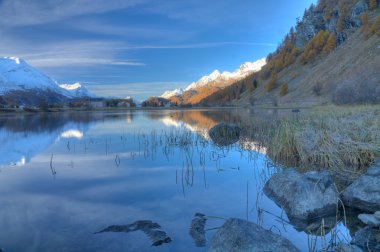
332	55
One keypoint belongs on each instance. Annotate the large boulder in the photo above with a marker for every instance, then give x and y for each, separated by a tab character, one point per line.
364	193
240	235
224	134
304	197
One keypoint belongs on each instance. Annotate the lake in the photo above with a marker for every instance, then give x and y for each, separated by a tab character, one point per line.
66	176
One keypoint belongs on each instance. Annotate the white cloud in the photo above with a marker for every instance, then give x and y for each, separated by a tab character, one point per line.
21	12
96	26
196	45
70	53
75	61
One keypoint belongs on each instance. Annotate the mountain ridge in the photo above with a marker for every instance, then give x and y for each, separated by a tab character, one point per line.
22	84
213	82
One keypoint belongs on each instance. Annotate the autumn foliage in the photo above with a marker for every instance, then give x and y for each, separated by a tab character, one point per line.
330	44
285	55
272	83
284	89
322	42
375	27
372	4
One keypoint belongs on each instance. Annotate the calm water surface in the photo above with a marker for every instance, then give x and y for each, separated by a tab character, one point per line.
64	177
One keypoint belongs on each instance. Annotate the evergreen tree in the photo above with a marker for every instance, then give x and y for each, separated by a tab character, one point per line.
255	83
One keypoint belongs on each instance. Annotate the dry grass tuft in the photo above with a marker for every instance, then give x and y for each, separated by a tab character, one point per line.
342	139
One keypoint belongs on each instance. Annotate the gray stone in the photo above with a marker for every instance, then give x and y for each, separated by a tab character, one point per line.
359	8
240	235
364	193
304	197
342	247
197	230
332	22
370	219
224	134
310	25
368	239
150	228
377	214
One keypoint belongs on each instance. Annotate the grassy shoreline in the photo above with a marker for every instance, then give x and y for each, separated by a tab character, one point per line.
344	140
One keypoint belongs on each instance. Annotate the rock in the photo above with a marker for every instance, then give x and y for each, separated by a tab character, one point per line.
224	134
377	214
315	225
359	8
240	235
150	228
310	25
197	230
368	239
332	22
364	193
304	197
342	247
372	220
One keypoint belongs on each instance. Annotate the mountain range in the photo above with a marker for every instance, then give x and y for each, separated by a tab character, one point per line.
331	56
22	84
211	83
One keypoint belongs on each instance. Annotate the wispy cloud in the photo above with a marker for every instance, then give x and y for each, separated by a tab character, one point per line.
75	61
195	45
21	12
93	52
95	26
69	53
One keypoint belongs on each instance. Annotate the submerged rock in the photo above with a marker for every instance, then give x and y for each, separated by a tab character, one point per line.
240	235
315	225
197	230
364	193
151	229
304	197
372	220
224	134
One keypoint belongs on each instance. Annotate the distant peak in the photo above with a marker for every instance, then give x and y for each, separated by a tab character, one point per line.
216	77
13	60
71	86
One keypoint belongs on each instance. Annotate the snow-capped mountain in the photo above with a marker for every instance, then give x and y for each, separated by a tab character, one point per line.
171	93
16	74
76	90
18	81
217	77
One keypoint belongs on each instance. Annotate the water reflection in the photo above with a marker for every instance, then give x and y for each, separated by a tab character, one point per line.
119	168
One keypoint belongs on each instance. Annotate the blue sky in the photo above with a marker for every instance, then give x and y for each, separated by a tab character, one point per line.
141	48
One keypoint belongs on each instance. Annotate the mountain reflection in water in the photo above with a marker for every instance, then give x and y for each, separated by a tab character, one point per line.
117	168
